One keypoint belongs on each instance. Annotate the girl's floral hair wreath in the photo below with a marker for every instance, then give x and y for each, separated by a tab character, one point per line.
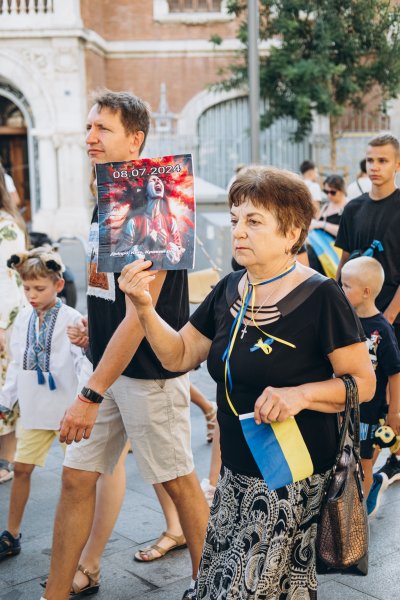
38	262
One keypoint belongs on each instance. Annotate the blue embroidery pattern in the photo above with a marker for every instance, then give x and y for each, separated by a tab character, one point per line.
38	348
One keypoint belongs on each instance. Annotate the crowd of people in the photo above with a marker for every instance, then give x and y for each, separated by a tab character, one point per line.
279	335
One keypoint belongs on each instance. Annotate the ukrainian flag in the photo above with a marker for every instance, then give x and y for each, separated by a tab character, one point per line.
278	449
324	247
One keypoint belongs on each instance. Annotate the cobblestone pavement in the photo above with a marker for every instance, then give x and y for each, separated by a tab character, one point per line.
141	522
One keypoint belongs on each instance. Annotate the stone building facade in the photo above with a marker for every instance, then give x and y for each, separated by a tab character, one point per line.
54	53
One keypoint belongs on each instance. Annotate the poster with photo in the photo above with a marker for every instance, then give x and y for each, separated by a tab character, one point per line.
146	210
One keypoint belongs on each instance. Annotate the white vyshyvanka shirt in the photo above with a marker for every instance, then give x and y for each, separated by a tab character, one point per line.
40	406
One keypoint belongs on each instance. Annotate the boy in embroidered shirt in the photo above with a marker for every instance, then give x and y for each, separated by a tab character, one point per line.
42	375
362	280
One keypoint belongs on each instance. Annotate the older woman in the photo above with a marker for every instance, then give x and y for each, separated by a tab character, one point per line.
274	335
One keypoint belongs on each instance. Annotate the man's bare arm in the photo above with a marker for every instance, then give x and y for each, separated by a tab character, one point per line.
343	261
393	309
80	417
123	344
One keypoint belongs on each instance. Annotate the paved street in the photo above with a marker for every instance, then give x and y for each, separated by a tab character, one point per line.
141	522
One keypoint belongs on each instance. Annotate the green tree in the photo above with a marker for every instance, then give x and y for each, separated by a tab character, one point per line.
325	56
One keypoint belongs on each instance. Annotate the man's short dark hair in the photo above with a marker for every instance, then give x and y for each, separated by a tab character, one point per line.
133	111
385	139
306	165
363	165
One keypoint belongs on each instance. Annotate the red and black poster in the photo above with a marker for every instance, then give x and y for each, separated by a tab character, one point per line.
146	210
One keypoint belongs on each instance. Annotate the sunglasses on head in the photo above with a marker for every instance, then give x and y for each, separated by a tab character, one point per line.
331	192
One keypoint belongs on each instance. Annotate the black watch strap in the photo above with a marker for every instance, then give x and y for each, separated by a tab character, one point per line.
91	395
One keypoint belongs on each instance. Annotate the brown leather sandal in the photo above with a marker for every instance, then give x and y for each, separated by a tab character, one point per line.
92	587
179	540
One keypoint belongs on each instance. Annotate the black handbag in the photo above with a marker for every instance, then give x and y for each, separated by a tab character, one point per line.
343	534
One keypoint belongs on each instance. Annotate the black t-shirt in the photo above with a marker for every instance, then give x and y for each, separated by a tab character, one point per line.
317	325
106	310
333	219
385	357
365	220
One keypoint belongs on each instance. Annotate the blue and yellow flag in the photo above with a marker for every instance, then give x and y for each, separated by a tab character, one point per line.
324	247
279	450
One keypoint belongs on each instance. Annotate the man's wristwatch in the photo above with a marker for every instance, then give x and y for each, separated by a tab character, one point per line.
91	395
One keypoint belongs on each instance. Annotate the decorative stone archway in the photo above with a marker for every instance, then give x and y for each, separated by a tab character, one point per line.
44	82
191	112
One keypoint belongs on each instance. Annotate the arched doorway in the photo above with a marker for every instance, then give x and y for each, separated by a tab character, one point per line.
14	152
17	148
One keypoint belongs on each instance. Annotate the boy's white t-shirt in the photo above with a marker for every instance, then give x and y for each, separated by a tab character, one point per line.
315	189
41	407
361	186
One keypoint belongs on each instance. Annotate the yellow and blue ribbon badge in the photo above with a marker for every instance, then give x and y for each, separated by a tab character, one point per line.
279	450
264	346
324	247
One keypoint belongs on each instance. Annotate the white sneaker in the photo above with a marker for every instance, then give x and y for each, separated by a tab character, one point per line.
208	490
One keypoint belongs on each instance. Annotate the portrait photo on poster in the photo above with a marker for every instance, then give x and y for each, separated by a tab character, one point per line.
146	210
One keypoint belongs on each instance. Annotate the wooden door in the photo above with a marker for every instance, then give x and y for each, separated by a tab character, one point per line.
14	157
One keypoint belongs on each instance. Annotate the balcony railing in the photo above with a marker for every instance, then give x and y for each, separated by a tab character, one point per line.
33	14
30	7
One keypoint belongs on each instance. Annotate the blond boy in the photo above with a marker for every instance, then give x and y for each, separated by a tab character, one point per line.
362	280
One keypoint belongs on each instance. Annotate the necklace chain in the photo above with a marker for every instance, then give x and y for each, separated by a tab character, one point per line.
253	315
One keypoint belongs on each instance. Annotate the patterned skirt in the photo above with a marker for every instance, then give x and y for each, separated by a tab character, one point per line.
260	544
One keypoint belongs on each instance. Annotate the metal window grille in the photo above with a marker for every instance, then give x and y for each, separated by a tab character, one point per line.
360	121
181	6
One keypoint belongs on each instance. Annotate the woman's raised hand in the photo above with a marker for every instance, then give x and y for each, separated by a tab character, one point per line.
134	281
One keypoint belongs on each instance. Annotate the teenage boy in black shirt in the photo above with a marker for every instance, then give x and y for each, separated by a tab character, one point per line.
126	392
370	225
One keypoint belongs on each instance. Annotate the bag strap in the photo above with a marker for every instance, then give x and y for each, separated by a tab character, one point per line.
351	419
350	428
352	400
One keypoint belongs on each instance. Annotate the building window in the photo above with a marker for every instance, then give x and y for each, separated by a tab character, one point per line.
191	11
181	6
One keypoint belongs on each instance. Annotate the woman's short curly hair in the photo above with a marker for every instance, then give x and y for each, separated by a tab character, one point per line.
281	192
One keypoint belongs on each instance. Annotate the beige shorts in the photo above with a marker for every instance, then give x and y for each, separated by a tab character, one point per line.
33	445
153	414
